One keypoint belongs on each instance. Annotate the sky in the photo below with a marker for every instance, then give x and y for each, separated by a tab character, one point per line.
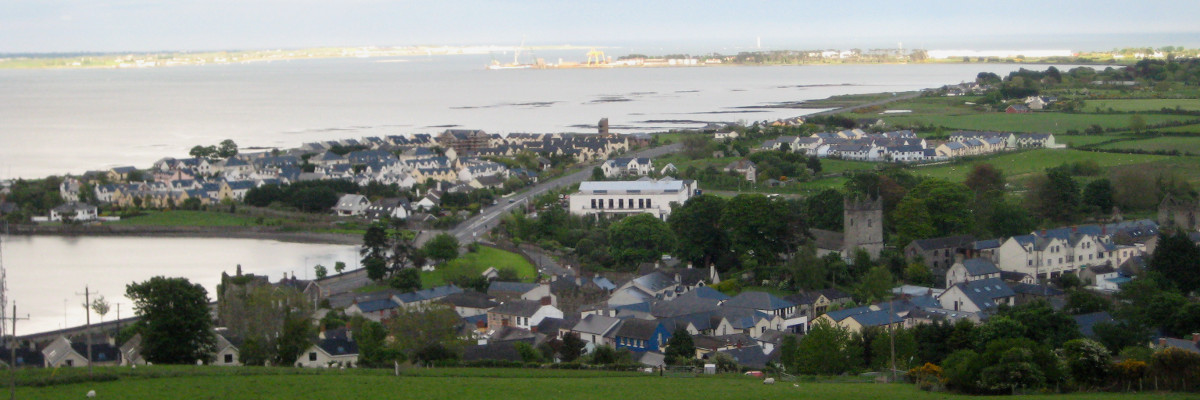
39	26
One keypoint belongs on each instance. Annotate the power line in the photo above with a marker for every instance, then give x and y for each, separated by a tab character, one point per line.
87	310
12	361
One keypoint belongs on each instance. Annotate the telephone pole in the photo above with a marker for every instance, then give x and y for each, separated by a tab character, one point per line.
12	349
87	332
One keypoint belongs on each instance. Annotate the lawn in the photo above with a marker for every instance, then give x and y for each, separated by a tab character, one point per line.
457	383
1038	122
1164	143
1085	140
1142	104
1021	164
477	262
188	218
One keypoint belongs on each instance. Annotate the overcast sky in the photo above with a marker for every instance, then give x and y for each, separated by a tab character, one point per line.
142	25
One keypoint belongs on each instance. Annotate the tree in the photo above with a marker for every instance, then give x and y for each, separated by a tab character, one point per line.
1137	123
176	326
695	146
572	347
320	271
912	221
293	338
1178	258
406	279
1055	196
373	349
760	228
788	350
227	149
443	247
640	238
680	349
985	179
826	210
1087	360
203	151
948	204
918	273
1007	218
905	347
696	224
100	306
598	174
426	333
1098	196
876	285
828	349
1043	324
339	267
1015	369
1082	301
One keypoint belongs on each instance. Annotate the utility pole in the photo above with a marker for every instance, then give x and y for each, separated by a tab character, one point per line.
12	366
87	332
892	333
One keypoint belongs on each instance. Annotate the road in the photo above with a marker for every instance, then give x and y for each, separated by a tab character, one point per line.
471	229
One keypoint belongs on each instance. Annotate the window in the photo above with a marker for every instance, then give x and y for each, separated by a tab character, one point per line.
229	358
648	203
610	203
869	225
593	203
641	203
312	356
620	203
1029	263
70	363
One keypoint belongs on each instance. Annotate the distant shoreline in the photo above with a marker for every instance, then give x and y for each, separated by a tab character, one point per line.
186	232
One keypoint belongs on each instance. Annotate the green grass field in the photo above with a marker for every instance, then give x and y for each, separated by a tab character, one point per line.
1085	140
1141	104
1040	122
458	383
188	218
475	263
1165	143
1017	166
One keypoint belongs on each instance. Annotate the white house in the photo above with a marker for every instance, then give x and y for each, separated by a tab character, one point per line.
74	212
626	166
350	205
227	353
522	314
977	296
971	270
631	197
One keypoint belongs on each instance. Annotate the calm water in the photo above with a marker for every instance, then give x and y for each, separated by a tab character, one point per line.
45	272
70	121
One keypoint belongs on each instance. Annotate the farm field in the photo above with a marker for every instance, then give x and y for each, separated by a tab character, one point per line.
188	218
1141	104
497	384
1165	143
1017	166
1085	140
1047	122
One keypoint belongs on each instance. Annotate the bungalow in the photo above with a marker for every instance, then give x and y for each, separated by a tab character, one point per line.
596	330
618	167
227	351
63	353
234	190
395	208
350	205
469	303
329	352
725	133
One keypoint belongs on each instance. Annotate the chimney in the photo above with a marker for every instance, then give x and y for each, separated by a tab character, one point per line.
533	328
1103	230
545	301
1043	232
958	257
1074	228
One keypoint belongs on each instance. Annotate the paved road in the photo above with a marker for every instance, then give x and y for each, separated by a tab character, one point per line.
471	229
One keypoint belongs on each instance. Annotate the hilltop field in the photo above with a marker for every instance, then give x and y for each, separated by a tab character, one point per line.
233	383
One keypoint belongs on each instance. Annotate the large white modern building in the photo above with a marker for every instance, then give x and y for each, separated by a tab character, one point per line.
631	197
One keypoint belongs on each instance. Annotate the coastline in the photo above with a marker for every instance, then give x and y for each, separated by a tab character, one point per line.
187	232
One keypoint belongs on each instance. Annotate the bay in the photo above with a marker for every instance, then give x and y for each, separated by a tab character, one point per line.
57	121
46	272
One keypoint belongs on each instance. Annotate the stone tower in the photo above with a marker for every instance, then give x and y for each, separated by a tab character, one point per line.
863	225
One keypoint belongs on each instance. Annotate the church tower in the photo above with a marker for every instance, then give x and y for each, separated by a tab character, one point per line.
863	225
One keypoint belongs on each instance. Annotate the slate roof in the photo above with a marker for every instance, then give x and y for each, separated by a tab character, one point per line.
749	356
513	287
596	324
505	351
980	266
377	305
877	318
469	299
654	281
338	347
946	242
1037	290
1184	344
983	292
637	329
551	326
520	308
427	294
758	301
1087	322
706	292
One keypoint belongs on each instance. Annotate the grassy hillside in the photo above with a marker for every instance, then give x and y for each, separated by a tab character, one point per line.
1017	165
475	263
491	384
